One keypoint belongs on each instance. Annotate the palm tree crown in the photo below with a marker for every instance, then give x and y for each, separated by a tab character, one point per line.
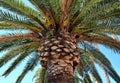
86	22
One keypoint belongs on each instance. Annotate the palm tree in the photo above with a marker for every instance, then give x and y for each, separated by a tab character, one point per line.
63	35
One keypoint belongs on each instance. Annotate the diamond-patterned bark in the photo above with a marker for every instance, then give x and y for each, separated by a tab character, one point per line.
59	56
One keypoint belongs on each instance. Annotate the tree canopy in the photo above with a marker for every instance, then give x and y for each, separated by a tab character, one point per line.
91	22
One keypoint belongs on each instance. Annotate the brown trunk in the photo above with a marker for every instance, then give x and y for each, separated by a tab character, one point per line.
60	57
61	79
60	71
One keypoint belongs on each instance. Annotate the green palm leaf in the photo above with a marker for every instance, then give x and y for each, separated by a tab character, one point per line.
20	8
100	58
15	51
29	66
19	59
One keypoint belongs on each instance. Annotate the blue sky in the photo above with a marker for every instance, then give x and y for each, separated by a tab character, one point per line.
114	58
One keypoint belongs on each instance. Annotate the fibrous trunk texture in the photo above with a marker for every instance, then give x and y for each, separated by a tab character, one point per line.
59	71
60	56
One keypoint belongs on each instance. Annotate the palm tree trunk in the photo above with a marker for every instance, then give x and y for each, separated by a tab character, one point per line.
60	56
59	71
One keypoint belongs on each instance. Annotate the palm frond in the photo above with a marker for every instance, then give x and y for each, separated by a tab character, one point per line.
22	9
96	74
44	11
108	29
89	68
97	14
7	6
87	79
103	40
103	28
84	9
105	73
19	36
97	54
110	70
113	73
9	19
15	52
95	21
65	17
56	10
101	59
102	13
77	78
40	76
30	65
10	44
17	61
84	73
